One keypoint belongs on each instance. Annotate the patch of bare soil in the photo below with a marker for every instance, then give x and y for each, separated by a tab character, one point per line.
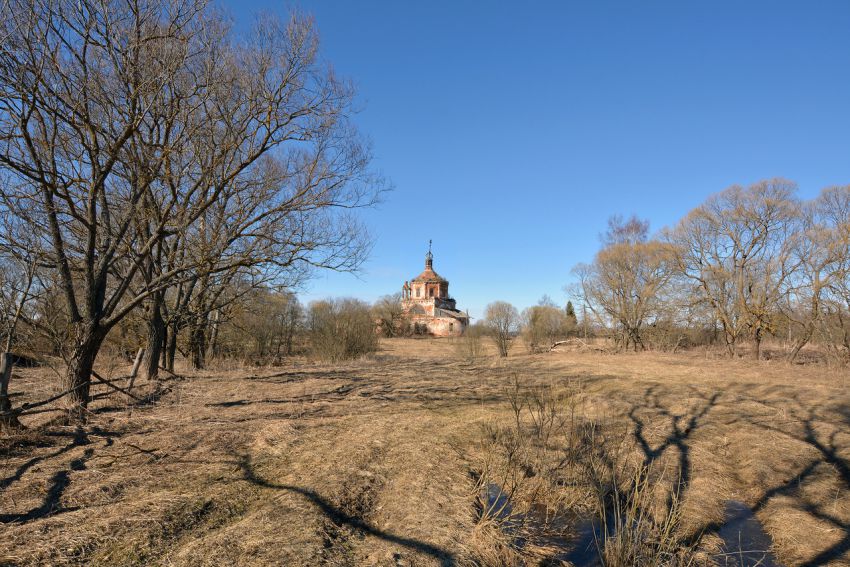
374	462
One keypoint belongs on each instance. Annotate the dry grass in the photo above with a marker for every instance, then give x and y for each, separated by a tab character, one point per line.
373	462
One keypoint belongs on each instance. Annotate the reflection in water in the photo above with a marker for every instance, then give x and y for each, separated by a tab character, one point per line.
580	550
584	551
745	543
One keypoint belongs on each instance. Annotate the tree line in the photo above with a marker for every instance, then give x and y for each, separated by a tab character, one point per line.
749	263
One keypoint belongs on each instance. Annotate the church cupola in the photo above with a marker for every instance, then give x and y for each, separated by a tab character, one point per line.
429	284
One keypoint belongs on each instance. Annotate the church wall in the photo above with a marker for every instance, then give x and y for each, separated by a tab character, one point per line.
426	304
417	291
441	326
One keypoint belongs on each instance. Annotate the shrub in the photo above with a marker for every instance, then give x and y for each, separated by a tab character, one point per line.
502	319
341	329
542	325
470	345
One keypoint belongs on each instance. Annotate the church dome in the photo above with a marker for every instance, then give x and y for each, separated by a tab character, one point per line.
429	275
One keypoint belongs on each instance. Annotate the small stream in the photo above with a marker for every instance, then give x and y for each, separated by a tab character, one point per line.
745	543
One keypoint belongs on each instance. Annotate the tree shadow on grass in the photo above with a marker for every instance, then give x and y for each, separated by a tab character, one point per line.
59	482
806	424
340	518
681	428
26	465
811	432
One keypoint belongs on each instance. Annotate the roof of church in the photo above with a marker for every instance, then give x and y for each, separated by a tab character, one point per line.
455	313
429	275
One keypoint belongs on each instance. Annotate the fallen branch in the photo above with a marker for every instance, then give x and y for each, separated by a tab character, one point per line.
114	387
28	406
170	371
581	343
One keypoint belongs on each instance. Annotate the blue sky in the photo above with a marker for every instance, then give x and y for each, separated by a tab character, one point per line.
512	131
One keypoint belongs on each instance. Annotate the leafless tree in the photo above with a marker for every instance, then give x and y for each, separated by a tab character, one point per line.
281	216
20	285
389	314
632	231
543	325
624	284
469	346
737	252
502	319
822	254
128	126
271	319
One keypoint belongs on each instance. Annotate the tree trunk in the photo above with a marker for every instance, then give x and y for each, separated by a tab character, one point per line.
287	343
731	347
88	337
156	334
137	363
800	343
198	345
163	355
7	421
171	348
212	349
637	342
757	343
814	315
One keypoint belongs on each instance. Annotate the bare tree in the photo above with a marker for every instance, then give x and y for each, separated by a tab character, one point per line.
543	325
737	251
127	126
286	212
623	286
502	319
271	319
19	286
620	231
469	346
822	254
389	314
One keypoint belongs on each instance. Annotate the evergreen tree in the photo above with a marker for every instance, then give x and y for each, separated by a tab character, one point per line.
571	312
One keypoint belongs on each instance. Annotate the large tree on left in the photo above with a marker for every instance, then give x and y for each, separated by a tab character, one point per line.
124	124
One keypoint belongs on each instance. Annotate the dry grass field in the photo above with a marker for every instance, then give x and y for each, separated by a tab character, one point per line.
382	461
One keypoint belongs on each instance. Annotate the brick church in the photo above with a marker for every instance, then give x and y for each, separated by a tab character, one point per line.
428	306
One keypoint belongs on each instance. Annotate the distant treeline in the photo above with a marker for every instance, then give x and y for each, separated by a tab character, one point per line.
749	263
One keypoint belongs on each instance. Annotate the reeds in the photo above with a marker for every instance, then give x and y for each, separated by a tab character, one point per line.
549	469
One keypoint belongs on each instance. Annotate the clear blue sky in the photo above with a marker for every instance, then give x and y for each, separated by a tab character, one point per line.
512	131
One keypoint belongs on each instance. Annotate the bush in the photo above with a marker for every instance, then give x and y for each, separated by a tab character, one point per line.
470	346
542	325
389	315
502	319
341	329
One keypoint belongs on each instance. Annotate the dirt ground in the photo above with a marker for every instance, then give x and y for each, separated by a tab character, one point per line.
373	462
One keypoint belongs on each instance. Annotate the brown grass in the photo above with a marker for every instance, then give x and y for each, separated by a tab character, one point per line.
373	462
